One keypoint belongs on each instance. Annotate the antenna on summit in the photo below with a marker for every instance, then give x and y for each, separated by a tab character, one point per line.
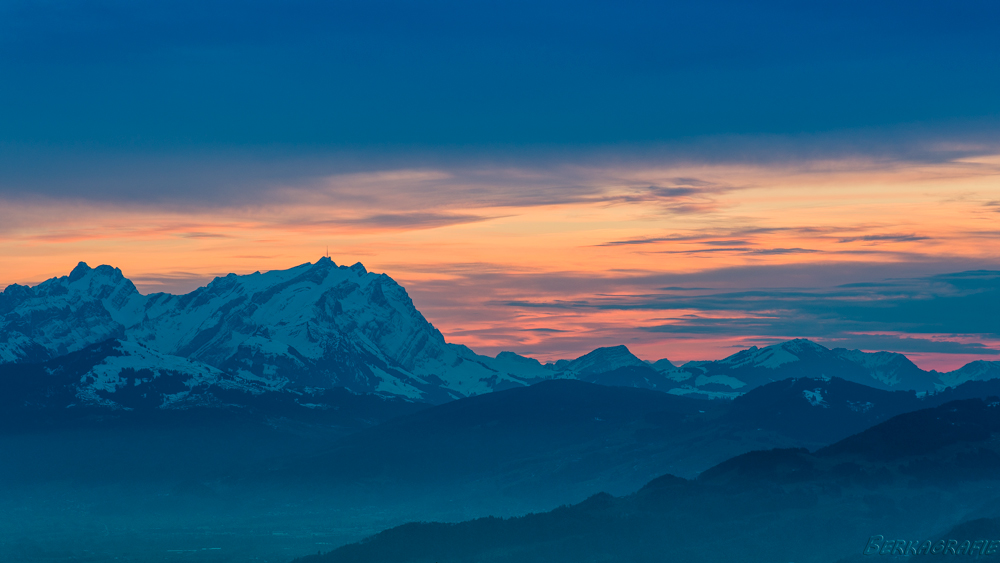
328	251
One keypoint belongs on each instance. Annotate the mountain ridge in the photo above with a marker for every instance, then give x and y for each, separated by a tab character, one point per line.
322	325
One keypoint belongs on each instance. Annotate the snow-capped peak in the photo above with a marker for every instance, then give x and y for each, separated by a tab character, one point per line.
604	359
65	314
773	356
979	370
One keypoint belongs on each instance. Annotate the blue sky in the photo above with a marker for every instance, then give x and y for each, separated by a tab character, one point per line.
376	75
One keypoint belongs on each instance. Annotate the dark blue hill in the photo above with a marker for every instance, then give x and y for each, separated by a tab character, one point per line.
776	505
818	410
564	425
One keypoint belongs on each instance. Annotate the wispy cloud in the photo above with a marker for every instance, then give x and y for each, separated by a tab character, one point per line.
735	236
885	238
402	221
901	343
744	251
202	235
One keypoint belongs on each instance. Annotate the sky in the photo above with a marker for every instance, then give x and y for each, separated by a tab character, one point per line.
688	179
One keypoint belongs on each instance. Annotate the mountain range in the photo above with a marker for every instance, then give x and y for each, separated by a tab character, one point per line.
314	327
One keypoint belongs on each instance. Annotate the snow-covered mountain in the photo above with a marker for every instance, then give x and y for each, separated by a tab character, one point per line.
316	325
798	358
322	326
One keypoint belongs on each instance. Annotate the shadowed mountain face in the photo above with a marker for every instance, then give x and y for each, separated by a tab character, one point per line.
820	410
547	444
777	505
320	326
48	395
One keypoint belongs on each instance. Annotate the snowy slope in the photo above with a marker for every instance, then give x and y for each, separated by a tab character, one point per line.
974	371
133	373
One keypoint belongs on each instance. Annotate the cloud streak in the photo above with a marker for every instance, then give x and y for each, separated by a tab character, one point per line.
884	238
745	251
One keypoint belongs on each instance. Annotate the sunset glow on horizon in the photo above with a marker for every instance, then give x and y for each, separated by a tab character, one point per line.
553	262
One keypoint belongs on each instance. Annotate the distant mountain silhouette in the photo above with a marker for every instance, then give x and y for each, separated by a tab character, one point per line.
912	472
